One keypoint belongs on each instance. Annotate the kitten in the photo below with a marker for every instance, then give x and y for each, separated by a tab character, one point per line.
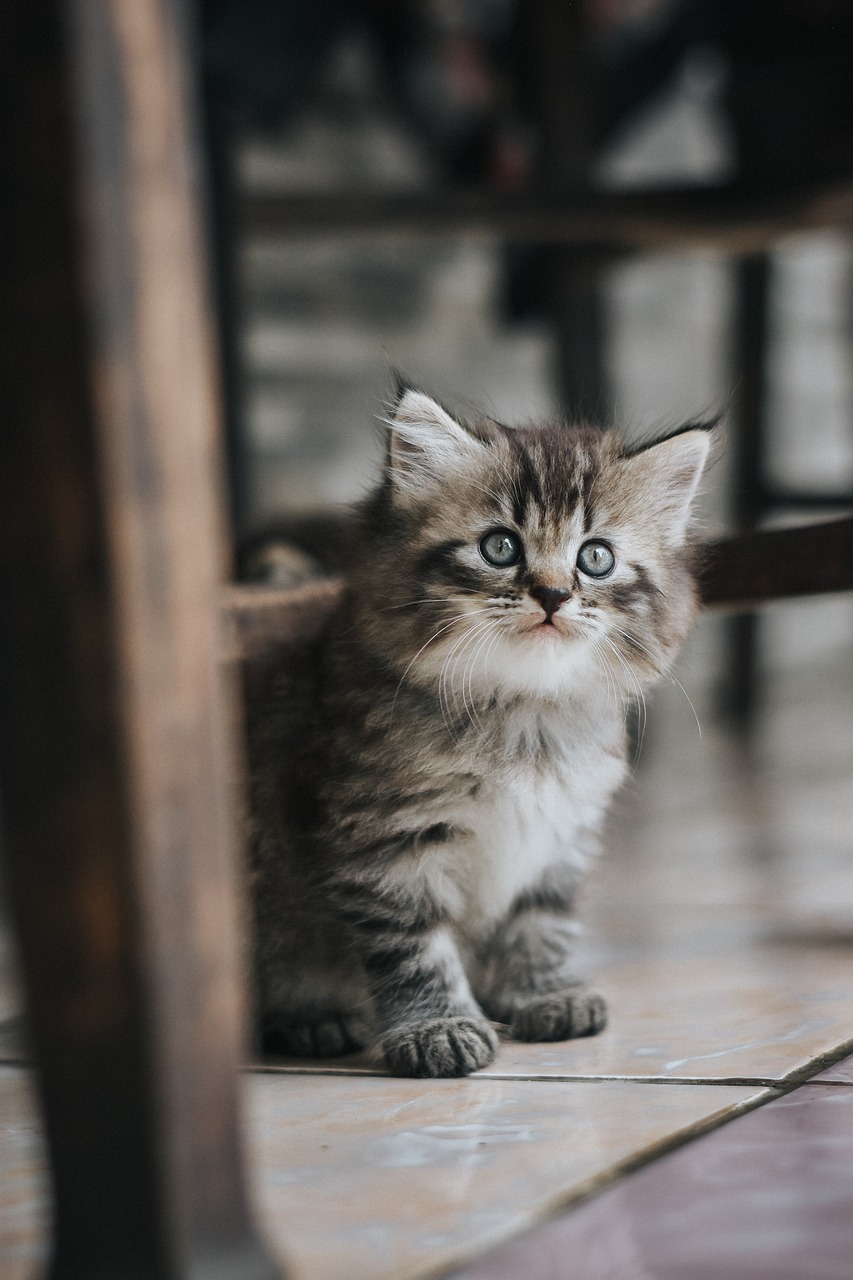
429	777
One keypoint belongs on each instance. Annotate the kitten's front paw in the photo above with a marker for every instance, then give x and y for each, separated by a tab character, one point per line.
560	1015
439	1047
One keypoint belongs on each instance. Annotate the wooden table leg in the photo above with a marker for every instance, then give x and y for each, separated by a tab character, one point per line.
115	730
750	352
558	67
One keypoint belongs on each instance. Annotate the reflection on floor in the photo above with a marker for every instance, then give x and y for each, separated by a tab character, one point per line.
767	1198
720	926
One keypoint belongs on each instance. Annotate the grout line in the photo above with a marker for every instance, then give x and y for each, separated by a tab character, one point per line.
823	1061
791	1079
763	1082
642	1159
605	1181
368	1073
821	1084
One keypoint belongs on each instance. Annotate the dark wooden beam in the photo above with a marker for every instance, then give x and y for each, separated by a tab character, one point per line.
777	497
116	744
262	622
778	564
728	220
736	573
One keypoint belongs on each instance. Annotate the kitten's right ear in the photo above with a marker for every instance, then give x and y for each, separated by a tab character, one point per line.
425	442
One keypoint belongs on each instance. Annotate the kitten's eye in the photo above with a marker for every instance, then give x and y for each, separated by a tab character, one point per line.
501	547
596	559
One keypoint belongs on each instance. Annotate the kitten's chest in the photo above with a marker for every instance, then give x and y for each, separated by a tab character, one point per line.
535	813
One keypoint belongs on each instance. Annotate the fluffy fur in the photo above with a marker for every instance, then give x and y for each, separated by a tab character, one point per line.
429	778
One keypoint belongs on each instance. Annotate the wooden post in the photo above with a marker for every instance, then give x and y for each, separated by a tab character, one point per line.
750	352
115	731
556	43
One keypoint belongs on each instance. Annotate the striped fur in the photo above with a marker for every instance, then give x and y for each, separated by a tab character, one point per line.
428	779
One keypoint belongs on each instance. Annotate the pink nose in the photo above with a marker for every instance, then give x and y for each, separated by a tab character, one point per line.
550	598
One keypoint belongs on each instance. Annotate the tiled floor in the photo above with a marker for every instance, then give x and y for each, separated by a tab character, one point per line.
767	1198
720	928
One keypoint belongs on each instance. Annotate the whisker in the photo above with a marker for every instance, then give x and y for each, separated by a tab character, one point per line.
612	687
446	683
663	672
641	699
676	680
498	628
431	640
481	627
448	600
485	638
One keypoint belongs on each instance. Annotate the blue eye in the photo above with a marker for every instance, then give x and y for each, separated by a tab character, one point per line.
596	560
501	548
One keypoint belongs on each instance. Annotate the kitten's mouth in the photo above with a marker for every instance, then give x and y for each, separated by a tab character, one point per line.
549	627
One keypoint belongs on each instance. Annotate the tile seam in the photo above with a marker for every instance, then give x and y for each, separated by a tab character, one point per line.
763	1082
618	1172
794	1079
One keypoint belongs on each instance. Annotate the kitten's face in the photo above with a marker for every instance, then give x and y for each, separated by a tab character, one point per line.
540	560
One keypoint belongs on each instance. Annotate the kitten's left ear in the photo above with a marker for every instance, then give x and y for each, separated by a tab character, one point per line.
669	472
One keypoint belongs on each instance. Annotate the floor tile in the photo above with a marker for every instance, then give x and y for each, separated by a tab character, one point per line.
708	994
768	1197
704	993
386	1179
423	1173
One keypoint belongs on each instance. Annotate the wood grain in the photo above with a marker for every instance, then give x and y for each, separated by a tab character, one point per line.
778	564
116	742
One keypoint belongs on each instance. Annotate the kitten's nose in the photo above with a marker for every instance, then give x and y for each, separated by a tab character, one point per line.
550	598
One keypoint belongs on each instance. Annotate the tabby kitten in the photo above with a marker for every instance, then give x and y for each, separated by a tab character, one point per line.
429	777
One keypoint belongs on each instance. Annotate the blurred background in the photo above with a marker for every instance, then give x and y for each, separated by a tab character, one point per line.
411	97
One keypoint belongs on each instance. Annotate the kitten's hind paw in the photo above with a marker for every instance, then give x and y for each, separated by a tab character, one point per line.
439	1047
325	1038
560	1015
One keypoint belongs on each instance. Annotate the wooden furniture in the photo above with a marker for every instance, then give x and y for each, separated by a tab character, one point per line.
116	744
